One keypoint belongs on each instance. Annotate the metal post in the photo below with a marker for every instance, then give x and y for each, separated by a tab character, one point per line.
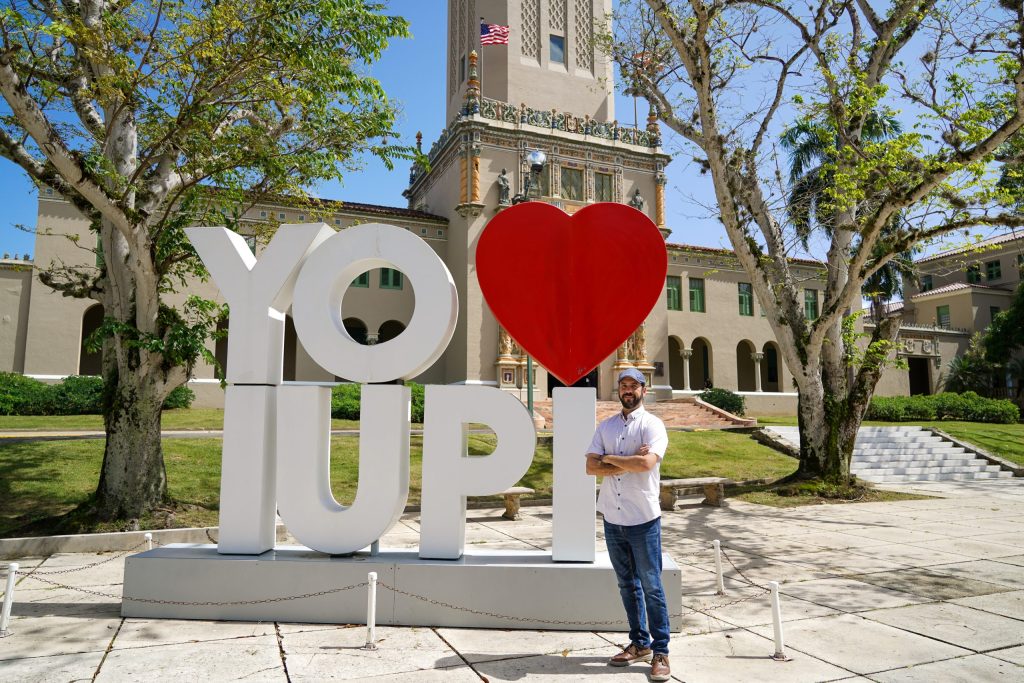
371	612
529	386
780	646
149	540
5	616
720	580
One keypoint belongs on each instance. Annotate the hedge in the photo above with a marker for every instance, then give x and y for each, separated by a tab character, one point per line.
74	395
724	399
968	406
345	401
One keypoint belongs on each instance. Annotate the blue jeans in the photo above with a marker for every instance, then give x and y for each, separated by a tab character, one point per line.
635	553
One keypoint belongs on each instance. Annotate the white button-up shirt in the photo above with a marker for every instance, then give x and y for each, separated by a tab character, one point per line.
630	498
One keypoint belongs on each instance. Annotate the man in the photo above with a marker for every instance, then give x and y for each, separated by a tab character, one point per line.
627	450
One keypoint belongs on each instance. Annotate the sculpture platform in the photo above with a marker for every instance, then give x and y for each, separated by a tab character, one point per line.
484	589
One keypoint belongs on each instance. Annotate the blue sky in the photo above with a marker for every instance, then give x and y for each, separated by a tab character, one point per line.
412	72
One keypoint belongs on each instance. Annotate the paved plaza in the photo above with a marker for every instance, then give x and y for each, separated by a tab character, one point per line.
920	590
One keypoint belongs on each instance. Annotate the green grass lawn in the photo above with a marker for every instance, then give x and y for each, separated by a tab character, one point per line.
42	479
1006	441
182	419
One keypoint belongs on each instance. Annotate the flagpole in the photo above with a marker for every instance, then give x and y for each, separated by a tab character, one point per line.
481	77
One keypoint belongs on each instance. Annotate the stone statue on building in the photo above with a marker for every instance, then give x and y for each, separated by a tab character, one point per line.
504	188
640	343
505	343
637	202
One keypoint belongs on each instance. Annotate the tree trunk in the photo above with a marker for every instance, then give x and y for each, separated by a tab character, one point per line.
828	429
133	479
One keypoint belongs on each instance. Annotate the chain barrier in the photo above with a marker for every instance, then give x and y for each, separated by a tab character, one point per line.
83	567
205	603
432	601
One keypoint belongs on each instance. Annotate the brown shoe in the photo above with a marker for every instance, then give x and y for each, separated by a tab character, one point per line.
632	653
659	668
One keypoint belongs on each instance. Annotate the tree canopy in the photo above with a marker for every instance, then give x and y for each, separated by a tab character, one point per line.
134	111
728	77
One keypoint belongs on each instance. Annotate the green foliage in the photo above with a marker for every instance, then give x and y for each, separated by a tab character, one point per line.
345	401
1006	333
20	395
74	395
724	399
967	407
970	371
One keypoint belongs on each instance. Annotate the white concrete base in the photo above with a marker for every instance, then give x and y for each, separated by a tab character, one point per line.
503	588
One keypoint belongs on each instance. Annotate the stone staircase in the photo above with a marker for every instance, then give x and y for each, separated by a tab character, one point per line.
891	455
678	413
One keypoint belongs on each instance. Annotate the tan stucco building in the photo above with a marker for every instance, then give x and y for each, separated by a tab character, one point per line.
548	90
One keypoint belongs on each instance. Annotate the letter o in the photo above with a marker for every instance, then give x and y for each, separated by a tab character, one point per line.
327	274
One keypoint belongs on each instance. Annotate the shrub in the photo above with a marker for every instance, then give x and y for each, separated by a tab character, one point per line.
345	401
20	395
967	406
77	395
724	399
74	395
181	397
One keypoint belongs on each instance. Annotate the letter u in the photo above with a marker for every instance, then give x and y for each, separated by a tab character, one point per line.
304	497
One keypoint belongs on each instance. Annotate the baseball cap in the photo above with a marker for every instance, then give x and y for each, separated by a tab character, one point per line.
634	374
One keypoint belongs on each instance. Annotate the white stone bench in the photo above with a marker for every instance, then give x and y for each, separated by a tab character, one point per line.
512	501
714	490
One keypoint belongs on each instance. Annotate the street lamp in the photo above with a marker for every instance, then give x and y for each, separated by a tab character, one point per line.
536	159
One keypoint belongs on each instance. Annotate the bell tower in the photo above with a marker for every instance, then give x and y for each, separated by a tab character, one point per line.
550	61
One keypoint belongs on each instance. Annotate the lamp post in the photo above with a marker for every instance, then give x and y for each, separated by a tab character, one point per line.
536	159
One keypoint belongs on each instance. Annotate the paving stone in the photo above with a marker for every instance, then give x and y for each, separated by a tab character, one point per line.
970	548
1010	654
338	653
908	554
585	665
251	659
721	611
62	602
1011	538
44	636
1017	560
955	624
843	563
482	645
848	595
1007	604
896	534
930	583
861	645
972	669
985	570
740	655
148	632
76	667
838	540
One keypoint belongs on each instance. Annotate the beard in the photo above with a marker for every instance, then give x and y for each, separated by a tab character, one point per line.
629	401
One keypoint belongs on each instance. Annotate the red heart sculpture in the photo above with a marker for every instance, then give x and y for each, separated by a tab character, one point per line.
571	289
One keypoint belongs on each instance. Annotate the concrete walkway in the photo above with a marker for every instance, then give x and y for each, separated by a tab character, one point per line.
922	590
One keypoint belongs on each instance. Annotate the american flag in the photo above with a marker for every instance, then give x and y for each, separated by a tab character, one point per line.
493	34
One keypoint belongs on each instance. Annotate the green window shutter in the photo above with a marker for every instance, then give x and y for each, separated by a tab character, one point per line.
362	280
746	293
993	271
697	294
974	274
942	316
926	283
674	287
390	278
811	304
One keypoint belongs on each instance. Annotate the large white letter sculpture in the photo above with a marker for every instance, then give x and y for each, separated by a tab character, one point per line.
258	293
449	474
277	438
